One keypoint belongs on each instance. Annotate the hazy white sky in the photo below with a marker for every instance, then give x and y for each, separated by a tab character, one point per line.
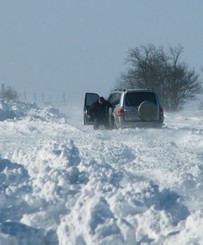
76	46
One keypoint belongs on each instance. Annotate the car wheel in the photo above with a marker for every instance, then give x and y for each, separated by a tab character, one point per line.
117	125
147	111
84	120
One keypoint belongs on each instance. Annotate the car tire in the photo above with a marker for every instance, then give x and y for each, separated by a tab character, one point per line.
148	111
84	120
115	124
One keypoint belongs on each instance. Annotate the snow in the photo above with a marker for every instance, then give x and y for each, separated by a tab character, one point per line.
63	183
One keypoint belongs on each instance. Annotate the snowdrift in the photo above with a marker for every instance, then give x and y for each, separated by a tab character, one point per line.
63	183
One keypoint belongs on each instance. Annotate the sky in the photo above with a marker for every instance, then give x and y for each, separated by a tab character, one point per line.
65	183
54	50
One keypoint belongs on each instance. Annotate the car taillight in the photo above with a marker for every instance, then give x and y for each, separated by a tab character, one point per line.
120	112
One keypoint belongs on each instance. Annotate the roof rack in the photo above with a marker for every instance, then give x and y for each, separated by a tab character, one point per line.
120	89
123	89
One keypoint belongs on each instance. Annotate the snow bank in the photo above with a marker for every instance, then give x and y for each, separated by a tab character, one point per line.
63	183
19	110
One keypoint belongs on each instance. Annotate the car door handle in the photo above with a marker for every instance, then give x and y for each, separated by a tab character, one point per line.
129	110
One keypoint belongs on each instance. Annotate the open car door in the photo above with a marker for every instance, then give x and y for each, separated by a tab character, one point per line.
90	98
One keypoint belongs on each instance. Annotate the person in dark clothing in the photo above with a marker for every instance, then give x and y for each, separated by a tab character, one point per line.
99	111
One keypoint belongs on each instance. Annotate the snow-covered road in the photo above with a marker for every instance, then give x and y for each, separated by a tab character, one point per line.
63	183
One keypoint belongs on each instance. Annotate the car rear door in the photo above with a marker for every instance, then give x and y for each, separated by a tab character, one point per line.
133	102
90	98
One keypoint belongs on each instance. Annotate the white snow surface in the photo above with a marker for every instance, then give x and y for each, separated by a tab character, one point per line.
63	183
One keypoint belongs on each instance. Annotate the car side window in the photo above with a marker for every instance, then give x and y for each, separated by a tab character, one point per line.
115	98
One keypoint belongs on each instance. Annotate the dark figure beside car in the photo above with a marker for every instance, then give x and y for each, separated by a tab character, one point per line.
99	112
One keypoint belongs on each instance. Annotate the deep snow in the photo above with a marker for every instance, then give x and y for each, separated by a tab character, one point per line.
63	183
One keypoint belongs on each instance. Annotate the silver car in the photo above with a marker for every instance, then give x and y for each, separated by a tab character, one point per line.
132	108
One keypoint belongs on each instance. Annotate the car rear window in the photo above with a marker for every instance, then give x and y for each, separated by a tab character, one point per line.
136	98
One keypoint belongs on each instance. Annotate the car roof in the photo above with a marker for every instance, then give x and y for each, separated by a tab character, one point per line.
133	90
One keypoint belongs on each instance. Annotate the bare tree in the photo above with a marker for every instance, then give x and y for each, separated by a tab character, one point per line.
152	67
8	93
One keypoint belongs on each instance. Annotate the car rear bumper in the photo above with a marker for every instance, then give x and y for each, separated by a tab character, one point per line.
138	124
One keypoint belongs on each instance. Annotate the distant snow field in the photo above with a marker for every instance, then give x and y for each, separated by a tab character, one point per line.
63	183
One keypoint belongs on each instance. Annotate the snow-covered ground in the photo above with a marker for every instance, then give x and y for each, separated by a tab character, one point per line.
63	183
